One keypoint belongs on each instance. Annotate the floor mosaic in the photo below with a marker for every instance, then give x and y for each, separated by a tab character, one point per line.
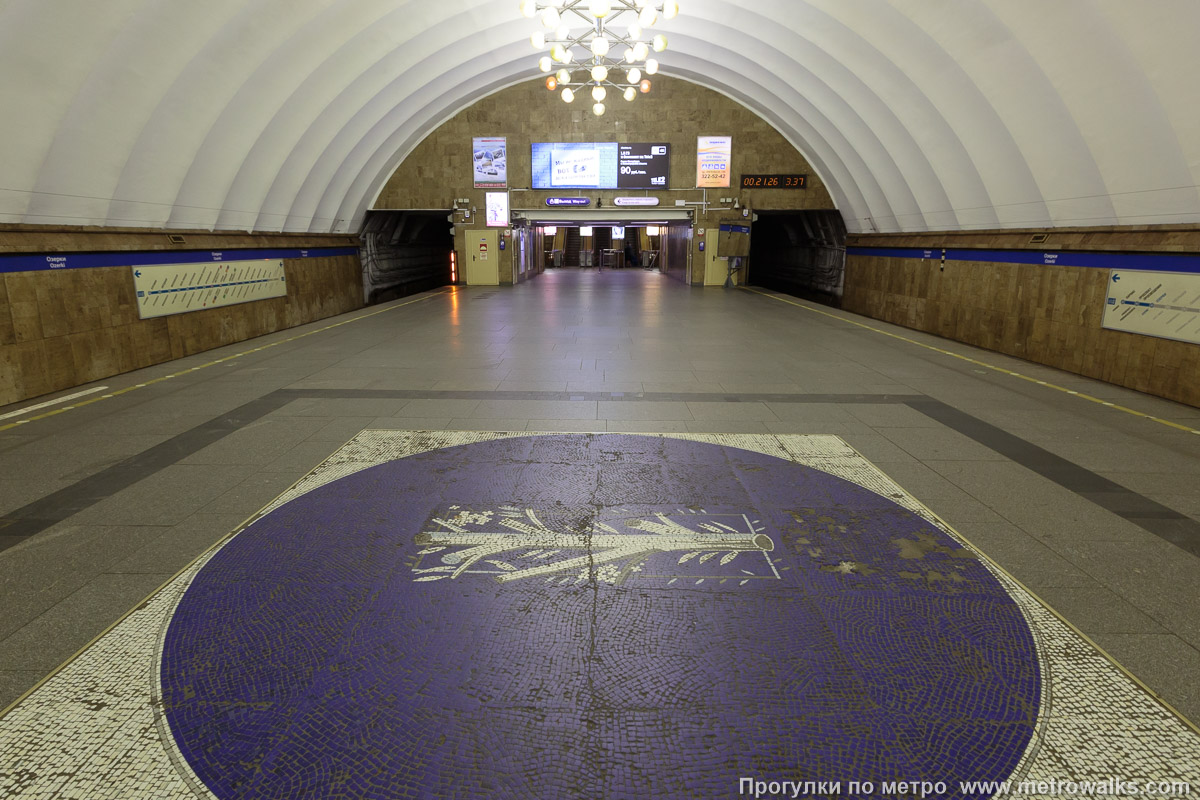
441	614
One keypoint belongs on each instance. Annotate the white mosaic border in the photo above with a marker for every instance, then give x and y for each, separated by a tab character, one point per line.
93	730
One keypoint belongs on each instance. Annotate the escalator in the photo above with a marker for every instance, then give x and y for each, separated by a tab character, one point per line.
571	248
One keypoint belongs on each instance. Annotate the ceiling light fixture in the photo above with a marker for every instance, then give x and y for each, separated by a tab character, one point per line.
612	59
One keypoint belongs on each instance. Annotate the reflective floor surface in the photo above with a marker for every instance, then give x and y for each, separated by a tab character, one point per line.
599	535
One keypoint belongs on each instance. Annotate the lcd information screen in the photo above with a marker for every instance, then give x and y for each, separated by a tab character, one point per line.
601	165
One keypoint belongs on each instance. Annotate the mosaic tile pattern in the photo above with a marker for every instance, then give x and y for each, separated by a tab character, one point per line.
652	603
93	730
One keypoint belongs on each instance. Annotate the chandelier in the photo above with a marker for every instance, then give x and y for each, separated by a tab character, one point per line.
599	55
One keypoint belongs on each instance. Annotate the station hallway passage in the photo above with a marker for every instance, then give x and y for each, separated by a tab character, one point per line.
596	535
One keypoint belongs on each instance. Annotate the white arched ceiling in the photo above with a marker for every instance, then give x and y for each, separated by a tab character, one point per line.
290	115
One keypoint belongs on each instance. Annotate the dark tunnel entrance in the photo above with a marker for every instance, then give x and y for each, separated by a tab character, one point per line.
801	253
405	252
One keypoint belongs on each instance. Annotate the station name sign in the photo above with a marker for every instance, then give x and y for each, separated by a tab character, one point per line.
559	202
636	201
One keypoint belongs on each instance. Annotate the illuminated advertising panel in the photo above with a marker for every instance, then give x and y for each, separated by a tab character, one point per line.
490	157
497	209
714	155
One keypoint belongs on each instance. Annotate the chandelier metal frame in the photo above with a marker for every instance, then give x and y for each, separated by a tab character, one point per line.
599	69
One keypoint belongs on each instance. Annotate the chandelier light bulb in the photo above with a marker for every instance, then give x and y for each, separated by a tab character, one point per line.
600	54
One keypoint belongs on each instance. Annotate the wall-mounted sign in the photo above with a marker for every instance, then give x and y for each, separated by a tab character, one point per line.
734	241
497	209
166	289
714	156
556	202
1163	304
774	181
490	157
636	201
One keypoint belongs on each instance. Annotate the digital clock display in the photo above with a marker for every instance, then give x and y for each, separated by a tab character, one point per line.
774	181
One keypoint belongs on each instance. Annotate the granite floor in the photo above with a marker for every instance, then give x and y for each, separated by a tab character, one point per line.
1075	500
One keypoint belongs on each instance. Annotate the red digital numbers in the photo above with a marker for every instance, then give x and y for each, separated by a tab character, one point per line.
774	181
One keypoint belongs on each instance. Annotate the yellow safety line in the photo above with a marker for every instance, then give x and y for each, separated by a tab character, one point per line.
127	389
979	363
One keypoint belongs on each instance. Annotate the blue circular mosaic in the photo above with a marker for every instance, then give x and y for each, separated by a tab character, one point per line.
593	616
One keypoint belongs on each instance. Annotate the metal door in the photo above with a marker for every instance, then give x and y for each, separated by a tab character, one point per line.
483	259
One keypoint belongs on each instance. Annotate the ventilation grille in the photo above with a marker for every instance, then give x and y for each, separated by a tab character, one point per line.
175	238
1039	238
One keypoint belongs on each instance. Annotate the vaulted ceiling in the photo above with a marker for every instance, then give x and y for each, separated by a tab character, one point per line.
291	114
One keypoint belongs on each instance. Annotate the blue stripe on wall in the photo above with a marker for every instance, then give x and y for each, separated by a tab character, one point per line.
1150	262
57	261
